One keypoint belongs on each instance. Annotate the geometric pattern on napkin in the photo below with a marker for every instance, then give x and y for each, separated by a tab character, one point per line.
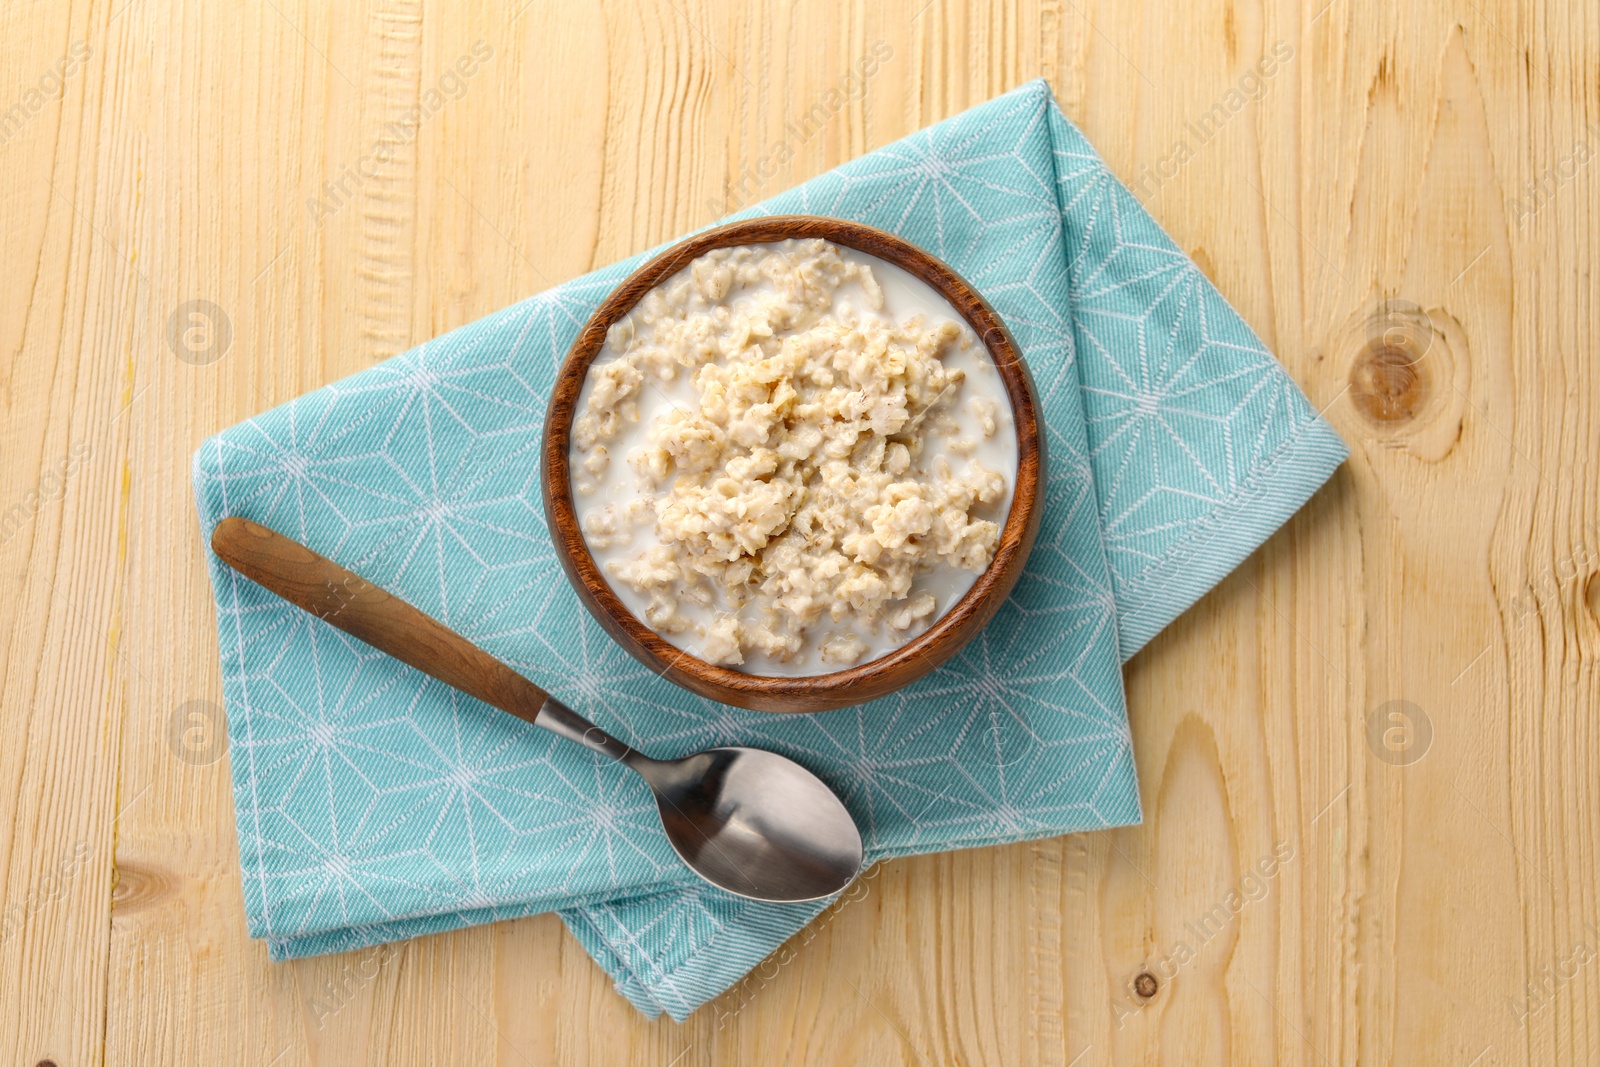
374	803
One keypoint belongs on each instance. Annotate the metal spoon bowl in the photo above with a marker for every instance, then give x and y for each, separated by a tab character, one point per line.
748	821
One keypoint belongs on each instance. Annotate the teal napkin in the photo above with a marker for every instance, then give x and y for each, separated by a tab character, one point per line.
375	804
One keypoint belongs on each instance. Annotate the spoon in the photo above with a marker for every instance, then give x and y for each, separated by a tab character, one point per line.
746	820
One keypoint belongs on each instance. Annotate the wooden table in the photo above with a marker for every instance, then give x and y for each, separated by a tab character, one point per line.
1391	706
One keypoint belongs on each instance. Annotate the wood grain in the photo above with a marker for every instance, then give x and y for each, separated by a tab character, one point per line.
834	689
1405	209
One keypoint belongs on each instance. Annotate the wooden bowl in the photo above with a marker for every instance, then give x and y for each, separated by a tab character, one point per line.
866	681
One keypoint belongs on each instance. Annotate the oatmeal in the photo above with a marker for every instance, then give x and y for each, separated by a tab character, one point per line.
792	458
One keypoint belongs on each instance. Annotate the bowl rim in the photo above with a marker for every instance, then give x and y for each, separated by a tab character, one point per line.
918	657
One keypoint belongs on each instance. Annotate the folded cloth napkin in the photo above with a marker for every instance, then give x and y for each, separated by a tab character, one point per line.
375	804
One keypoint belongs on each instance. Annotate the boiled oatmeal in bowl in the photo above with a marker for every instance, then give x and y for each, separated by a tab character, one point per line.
791	457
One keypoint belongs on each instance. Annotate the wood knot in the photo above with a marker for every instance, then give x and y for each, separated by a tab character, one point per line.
1386	385
138	887
1589	615
45	1063
1146	985
1388	381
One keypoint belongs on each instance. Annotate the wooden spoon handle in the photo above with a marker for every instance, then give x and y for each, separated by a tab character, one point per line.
344	599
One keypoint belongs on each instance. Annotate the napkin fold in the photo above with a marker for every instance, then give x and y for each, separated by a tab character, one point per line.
375	804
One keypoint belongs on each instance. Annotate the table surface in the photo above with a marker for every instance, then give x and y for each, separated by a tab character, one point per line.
1394	697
